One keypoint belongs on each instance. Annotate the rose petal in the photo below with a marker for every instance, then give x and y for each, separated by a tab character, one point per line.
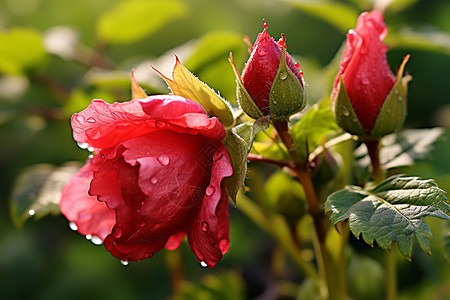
205	229
91	216
174	240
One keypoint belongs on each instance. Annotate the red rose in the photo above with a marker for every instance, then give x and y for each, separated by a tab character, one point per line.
364	69
156	176
259	77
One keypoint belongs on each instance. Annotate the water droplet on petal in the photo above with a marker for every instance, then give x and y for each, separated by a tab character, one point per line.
283	75
262	51
73	226
96	240
163	160
154	180
90	149
365	81
217	156
210	190
160	124
205	226
88	237
345	111
203	264
83	145
91	120
31	212
364	50
124	262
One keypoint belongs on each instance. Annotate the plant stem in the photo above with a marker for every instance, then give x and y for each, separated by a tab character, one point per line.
391	276
373	147
279	229
260	158
315	209
174	263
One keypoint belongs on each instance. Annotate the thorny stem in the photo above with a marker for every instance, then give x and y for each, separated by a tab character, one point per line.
301	170
373	147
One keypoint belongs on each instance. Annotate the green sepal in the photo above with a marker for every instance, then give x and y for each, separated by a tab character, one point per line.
344	113
286	94
239	141
393	112
238	149
243	97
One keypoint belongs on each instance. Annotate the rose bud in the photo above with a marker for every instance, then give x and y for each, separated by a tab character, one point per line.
271	81
367	98
156	176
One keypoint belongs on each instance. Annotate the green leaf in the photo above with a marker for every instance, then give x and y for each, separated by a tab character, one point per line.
132	20
21	50
314	128
391	211
37	191
340	15
402	148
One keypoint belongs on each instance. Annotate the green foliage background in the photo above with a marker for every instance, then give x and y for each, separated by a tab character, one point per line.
55	56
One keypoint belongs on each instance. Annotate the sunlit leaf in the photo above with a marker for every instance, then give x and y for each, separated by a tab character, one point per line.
340	15
137	92
131	20
393	211
185	84
21	50
37	191
314	128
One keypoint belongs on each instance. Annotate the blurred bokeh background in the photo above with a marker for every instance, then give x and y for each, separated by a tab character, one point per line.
55	56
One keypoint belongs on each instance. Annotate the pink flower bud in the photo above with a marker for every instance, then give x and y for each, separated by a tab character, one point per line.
366	75
274	86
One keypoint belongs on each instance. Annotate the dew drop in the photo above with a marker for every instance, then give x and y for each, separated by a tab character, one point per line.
210	190
396	92
203	264
217	156
163	160
274	102
90	149
283	75
31	212
124	262
400	98
83	145
345	111
364	50
365	81
205	226
91	120
96	240
88	237
160	124
90	156
102	155
389	111
154	180
73	226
